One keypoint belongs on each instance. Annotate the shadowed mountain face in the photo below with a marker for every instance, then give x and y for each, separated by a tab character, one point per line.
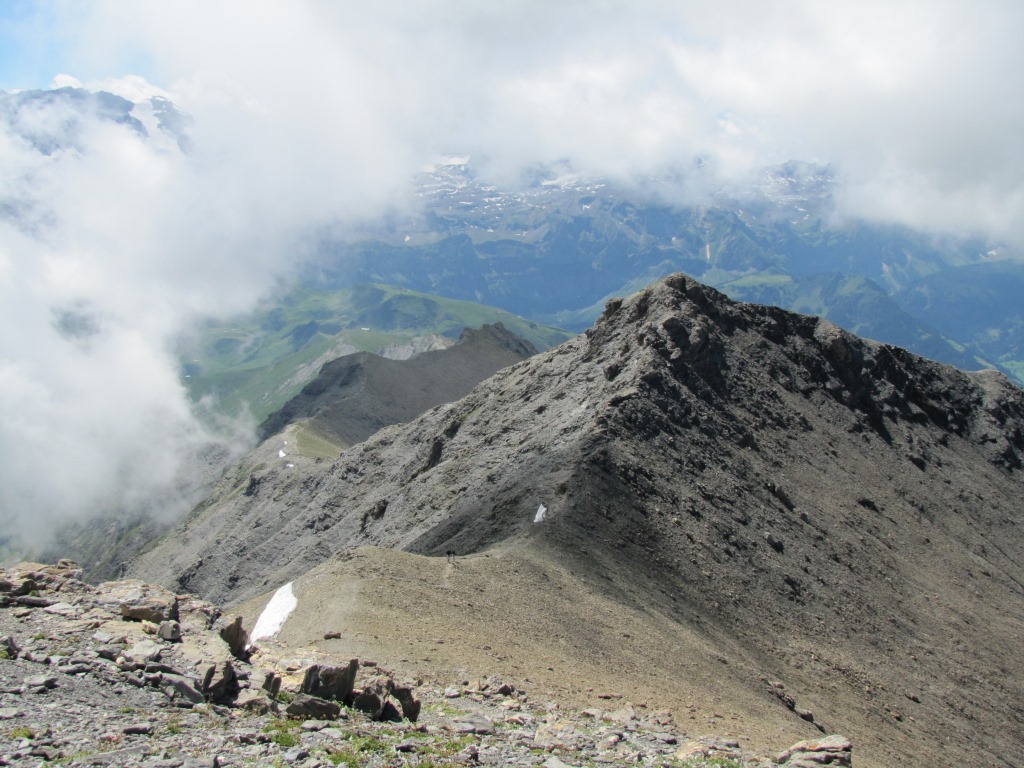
356	395
841	516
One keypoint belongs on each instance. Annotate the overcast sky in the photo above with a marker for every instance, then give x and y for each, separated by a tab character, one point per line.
315	111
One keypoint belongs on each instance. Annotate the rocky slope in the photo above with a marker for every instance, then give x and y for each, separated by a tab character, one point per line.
799	527
127	674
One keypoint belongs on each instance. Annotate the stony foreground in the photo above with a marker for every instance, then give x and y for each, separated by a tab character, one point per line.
127	674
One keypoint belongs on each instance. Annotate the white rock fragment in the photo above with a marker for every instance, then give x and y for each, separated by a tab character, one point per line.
542	512
275	614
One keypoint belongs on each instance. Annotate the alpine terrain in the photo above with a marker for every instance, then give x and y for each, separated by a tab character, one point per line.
743	514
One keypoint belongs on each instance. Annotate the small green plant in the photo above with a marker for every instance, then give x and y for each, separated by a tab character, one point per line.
4	655
285	697
174	725
709	762
448	748
285	739
344	757
21	732
368	744
283	732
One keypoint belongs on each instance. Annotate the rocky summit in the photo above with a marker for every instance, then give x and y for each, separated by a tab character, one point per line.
709	506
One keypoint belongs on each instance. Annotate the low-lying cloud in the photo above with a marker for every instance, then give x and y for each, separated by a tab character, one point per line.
313	113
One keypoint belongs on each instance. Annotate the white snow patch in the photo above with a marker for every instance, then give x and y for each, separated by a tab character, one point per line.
281	454
275	614
542	512
290	465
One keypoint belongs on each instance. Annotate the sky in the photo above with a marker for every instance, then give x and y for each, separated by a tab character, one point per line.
313	113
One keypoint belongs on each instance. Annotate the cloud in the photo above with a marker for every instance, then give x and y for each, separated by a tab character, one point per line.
913	103
316	113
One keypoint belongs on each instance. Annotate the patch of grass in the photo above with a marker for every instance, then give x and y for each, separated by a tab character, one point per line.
346	757
21	732
707	762
313	445
448	748
4	655
445	709
174	725
285	739
370	744
284	732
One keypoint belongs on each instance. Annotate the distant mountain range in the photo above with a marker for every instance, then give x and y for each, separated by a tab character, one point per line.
558	249
555	247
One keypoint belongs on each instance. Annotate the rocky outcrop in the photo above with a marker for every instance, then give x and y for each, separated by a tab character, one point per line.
831	750
71	693
328	682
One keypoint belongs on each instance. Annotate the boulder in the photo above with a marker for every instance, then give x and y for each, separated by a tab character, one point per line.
143	651
410	705
137	601
370	702
331	682
169	631
177	687
267	680
256	701
305	707
236	637
220	683
831	750
9	647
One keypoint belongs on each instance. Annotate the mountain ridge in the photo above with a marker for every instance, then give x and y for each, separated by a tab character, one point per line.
821	504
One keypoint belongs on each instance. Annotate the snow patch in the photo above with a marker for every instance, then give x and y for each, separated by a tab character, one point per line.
275	614
281	454
542	512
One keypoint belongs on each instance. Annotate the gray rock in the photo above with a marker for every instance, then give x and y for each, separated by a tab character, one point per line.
62	609
370	702
41	681
9	646
180	688
9	713
236	637
477	725
143	651
331	682
169	630
220	682
831	750
137	601
267	680
306	707
409	704
256	701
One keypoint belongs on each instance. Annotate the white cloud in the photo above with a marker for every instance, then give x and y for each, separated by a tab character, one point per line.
311	112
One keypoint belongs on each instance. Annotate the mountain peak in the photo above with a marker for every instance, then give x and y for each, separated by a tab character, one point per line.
819	506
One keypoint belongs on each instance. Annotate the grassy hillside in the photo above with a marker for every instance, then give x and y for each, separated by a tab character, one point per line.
260	360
